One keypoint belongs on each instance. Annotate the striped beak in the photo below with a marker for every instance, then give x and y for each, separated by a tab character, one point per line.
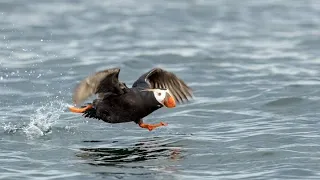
169	101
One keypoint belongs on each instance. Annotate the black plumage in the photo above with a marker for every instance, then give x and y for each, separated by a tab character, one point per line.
117	103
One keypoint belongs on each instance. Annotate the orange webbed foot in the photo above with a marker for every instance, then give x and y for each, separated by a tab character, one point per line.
80	110
151	127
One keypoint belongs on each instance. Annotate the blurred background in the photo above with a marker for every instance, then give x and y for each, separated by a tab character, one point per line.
253	66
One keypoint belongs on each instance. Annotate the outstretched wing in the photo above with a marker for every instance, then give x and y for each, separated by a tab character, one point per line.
158	78
101	82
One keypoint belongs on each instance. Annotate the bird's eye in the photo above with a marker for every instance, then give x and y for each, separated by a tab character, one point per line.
159	94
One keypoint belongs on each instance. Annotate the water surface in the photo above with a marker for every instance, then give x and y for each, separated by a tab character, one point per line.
253	65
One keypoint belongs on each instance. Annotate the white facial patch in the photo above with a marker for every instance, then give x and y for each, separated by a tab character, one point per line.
160	95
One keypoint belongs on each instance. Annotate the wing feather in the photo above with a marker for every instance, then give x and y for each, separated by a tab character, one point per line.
100	83
158	78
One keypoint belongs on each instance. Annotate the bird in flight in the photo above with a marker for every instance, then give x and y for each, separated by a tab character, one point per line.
117	103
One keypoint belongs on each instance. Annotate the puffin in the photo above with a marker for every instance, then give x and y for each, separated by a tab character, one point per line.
115	102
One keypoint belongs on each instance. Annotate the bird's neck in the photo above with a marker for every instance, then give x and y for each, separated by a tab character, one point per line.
149	100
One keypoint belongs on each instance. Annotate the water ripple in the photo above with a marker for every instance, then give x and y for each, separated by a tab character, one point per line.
253	67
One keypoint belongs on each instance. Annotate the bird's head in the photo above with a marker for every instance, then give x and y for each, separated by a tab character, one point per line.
164	97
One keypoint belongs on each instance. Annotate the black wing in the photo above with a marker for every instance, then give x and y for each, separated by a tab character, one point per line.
158	78
100	83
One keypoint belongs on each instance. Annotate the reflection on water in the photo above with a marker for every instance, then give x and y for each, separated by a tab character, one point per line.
149	149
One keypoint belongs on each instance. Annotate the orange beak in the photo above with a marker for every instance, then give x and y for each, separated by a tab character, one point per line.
169	102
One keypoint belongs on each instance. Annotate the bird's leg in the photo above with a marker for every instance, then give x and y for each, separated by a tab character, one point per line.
80	110
151	127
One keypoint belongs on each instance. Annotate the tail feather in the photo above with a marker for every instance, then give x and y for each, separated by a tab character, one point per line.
90	113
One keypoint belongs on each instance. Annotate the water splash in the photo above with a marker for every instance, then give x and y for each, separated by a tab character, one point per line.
43	119
10	128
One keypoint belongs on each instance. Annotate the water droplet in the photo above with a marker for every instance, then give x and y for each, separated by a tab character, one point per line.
1	78
41	40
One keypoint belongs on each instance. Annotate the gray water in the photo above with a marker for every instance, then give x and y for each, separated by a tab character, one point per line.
253	66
